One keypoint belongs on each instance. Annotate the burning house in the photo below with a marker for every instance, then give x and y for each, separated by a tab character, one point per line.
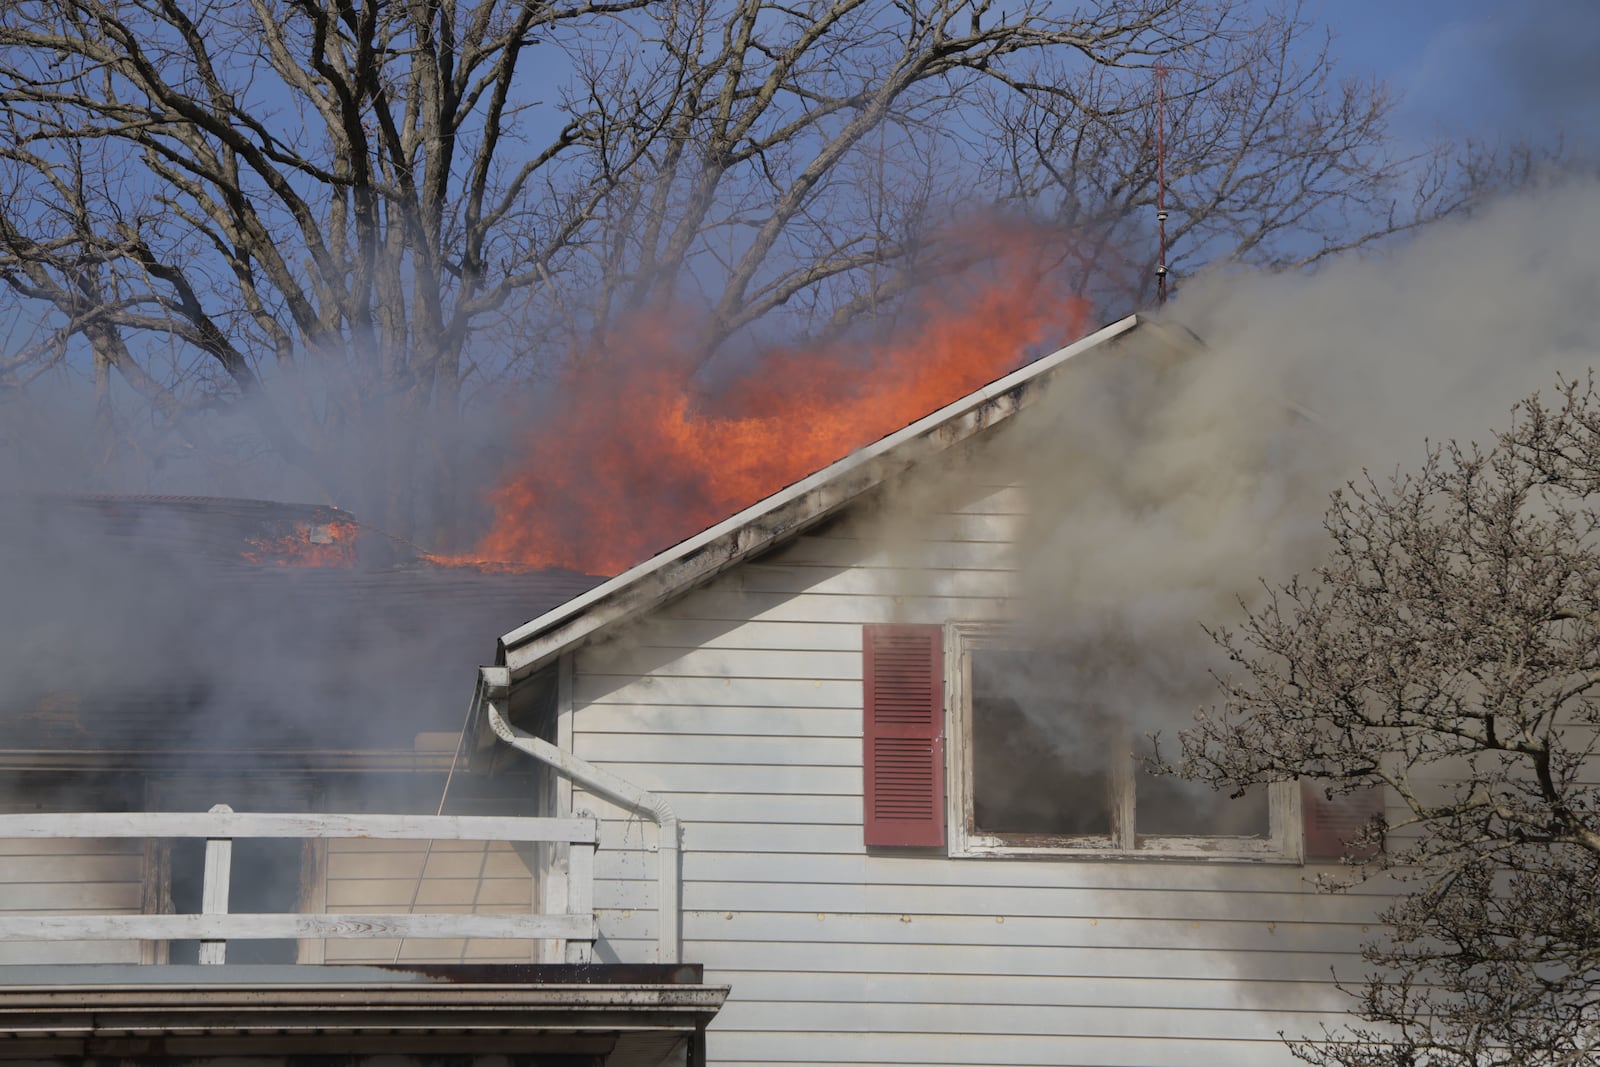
905	830
828	750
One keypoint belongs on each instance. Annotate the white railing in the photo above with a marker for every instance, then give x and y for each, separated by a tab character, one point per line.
214	926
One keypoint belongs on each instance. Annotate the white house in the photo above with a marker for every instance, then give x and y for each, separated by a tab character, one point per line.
816	775
810	760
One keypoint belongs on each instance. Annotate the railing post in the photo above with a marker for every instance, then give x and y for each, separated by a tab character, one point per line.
214	891
554	900
580	895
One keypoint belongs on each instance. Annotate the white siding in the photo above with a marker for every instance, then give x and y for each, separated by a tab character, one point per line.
448	878
86	877
741	705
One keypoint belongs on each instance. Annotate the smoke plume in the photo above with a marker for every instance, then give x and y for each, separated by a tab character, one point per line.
1166	489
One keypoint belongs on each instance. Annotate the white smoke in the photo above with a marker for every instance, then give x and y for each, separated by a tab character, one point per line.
1165	487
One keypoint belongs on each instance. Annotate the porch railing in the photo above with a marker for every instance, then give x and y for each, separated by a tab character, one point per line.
574	922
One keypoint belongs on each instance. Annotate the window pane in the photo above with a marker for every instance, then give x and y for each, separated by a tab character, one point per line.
1038	764
1167	806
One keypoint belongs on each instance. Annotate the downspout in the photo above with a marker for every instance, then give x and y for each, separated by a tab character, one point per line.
494	687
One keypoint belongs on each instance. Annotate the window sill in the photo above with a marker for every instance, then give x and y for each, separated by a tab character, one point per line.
1206	851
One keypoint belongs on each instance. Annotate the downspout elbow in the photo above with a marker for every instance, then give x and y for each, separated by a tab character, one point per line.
595	779
493	687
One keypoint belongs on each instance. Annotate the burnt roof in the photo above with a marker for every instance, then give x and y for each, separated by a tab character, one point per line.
217	527
783	515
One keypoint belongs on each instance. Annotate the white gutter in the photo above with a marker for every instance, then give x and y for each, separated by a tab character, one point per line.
494	687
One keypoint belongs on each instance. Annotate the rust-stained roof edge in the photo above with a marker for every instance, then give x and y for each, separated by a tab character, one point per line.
780	516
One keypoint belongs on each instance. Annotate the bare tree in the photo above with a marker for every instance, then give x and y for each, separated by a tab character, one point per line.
807	161
1449	651
316	185
340	216
1271	159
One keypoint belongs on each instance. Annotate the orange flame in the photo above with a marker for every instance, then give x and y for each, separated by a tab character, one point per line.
307	544
482	566
632	462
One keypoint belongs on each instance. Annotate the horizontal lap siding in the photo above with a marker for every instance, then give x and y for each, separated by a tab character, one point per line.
741	706
1003	1021
998	932
66	877
977	964
953	1046
1178	992
451	878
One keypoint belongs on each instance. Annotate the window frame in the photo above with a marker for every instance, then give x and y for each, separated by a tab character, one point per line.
1283	843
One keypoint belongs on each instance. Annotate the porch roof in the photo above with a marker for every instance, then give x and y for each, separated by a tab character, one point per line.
136	1011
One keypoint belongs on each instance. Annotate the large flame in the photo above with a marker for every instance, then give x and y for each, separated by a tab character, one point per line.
637	458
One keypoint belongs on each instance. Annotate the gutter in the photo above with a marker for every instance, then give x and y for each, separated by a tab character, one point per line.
89	1013
494	687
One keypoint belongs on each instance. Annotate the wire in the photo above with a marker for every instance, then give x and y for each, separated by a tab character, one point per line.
455	759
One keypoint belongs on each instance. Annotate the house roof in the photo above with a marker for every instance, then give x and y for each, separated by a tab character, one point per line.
209	642
783	515
245	680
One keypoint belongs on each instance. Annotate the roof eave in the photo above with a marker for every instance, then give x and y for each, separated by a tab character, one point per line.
782	515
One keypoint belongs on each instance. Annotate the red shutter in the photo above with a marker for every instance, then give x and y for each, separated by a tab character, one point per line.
1330	823
904	735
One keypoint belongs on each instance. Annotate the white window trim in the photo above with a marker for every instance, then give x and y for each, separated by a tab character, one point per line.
1284	844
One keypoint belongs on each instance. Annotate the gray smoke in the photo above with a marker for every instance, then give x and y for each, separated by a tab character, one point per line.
1165	488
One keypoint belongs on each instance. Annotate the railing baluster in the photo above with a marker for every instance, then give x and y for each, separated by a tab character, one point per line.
214	893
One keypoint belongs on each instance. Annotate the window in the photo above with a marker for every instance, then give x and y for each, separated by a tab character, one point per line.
1033	768
1036	770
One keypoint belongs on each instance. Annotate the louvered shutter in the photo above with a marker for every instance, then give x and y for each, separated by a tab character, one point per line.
1331	822
904	735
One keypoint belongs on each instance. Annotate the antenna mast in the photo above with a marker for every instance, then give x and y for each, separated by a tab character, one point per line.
1161	183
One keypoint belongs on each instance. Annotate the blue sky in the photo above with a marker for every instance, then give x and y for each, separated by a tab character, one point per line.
1494	68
